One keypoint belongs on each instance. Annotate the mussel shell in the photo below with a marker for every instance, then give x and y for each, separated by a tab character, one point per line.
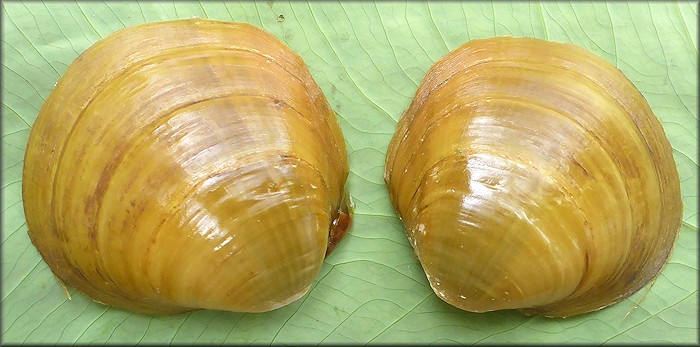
186	164
533	175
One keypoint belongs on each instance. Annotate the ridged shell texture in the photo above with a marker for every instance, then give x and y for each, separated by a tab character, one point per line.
186	164
533	175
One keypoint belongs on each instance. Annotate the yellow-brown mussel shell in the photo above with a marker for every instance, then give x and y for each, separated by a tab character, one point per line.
187	164
533	175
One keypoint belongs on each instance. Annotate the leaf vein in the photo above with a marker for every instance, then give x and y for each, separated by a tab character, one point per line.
32	44
77	4
400	318
343	65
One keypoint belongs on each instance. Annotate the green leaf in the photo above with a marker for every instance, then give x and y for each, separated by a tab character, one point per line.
368	58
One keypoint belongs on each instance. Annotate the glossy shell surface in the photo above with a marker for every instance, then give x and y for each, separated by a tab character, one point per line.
188	164
533	175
